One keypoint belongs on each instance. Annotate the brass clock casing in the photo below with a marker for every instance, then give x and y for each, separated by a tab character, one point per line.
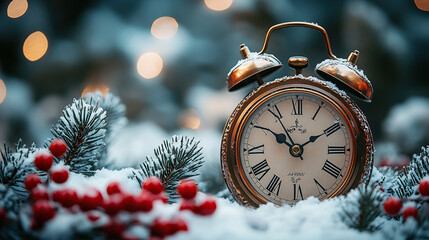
362	157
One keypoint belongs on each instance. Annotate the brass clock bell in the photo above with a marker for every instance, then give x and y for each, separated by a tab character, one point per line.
296	136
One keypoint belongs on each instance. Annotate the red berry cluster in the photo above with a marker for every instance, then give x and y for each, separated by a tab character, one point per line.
393	205
188	190
43	209
44	159
117	200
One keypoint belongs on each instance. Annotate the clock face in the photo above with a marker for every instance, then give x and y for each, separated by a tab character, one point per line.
296	145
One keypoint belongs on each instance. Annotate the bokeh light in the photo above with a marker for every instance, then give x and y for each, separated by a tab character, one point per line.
2	91
91	88
190	119
422	4
17	8
218	5
35	46
150	65
164	27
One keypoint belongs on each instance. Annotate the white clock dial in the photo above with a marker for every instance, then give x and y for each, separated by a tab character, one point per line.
296	145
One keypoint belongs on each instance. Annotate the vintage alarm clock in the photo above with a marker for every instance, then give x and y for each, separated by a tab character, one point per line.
297	136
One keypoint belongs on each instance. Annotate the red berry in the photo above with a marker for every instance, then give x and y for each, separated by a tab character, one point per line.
144	202
178	224
39	193
160	228
58	147
208	207
392	206
90	200
114	229
113	204
424	187
153	185
3	216
113	188
187	189
188	205
31	181
43	211
43	161
410	211
60	175
129	203
93	217
67	197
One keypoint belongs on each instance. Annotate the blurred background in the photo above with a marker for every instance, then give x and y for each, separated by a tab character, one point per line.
168	60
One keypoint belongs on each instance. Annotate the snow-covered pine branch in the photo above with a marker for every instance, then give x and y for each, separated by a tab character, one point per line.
115	117
174	160
115	111
361	211
405	185
15	165
82	127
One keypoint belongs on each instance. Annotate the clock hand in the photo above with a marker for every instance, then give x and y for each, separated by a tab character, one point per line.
291	141
280	137
287	133
312	139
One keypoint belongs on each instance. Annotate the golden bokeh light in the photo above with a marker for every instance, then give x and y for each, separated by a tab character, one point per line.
189	119
422	4
17	8
91	88
35	46
150	65
164	27
218	5
2	91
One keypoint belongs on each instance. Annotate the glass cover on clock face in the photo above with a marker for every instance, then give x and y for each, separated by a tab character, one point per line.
296	145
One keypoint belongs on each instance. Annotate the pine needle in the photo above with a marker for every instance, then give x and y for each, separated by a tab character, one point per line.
14	168
174	160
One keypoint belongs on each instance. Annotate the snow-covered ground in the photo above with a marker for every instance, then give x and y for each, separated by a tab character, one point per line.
309	219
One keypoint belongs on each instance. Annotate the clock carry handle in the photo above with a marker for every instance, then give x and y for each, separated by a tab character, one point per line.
299	24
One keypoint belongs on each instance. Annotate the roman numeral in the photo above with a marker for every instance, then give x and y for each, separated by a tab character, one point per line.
332	129
274	184
276	112
315	114
336	149
261	168
297	107
331	168
257	150
319	186
297	192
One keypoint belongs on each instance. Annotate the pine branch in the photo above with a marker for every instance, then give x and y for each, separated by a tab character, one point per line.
115	111
174	160
15	165
360	213
405	184
82	127
115	117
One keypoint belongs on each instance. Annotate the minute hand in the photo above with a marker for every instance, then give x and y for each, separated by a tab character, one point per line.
287	134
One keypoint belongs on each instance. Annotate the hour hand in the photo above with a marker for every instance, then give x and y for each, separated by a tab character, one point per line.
312	139
280	137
